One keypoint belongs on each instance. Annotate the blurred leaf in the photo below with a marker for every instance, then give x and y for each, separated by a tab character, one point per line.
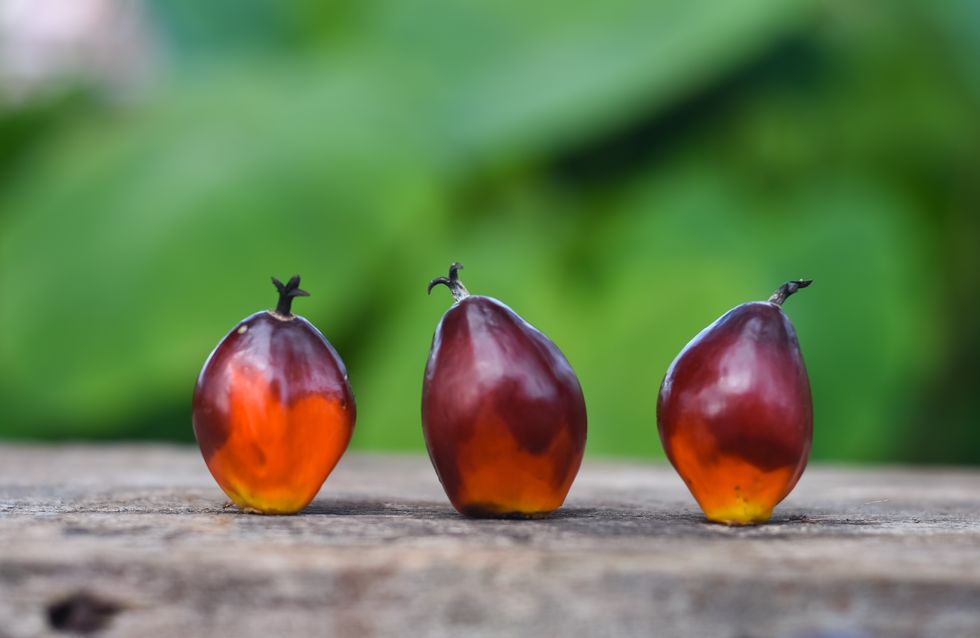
511	80
138	246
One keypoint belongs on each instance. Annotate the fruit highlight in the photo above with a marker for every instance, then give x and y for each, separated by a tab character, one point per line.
735	413
502	410
273	411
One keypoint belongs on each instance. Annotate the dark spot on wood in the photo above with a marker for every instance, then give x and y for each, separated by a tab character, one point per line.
466	610
81	613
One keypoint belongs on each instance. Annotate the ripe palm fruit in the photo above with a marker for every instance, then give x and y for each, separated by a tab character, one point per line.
502	410
273	411
735	413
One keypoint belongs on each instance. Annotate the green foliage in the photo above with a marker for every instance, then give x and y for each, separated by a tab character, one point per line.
619	173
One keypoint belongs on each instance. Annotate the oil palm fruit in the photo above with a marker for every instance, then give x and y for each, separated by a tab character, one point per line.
502	410
735	413
273	411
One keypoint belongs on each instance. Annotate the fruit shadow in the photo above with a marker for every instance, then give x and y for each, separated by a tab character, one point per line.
612	520
407	509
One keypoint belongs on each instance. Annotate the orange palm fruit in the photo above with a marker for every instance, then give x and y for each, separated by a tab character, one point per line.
735	413
273	411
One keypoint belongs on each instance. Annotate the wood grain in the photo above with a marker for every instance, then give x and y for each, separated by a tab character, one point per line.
136	541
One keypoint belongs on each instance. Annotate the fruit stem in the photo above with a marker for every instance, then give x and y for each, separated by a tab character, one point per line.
452	282
287	292
788	289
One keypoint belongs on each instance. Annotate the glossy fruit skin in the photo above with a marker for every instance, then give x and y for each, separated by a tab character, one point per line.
735	414
502	411
273	412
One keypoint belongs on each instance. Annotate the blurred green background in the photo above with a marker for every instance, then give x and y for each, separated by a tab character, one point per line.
620	173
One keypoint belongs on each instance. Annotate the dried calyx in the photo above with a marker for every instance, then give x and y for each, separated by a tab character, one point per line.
788	289
287	292
452	282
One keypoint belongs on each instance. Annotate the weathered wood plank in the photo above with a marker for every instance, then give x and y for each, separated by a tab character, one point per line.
142	530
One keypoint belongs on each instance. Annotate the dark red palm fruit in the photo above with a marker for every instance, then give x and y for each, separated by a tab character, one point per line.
273	411
735	413
502	410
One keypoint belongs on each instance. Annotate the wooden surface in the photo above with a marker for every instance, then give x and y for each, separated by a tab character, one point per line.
135	541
